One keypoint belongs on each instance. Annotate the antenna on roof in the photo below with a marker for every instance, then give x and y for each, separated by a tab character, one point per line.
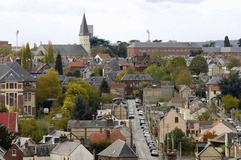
148	33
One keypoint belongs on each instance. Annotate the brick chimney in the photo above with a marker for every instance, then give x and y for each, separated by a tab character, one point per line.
107	134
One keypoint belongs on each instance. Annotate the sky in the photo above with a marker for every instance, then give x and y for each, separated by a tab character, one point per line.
58	21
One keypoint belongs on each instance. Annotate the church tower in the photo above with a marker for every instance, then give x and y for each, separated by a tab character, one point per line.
84	35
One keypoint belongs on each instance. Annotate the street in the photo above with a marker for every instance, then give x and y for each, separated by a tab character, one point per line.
142	149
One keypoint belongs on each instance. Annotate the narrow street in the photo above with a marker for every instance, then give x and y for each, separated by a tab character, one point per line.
142	149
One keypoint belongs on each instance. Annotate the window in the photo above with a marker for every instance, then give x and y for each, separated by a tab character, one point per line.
14	152
176	119
27	96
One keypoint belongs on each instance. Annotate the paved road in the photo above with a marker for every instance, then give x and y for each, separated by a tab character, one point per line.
139	140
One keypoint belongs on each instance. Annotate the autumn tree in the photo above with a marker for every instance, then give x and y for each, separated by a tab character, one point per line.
49	55
230	102
48	86
104	87
58	64
184	77
206	116
198	65
6	137
226	42
209	135
233	62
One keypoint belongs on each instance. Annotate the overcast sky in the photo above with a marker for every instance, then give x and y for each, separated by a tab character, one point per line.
119	20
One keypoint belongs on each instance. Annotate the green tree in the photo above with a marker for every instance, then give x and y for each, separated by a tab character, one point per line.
80	110
194	53
48	86
5	49
211	44
157	58
206	116
239	42
49	55
226	42
184	77
104	87
26	60
230	102
77	73
6	137
100	49
198	65
231	85
157	73
98	71
233	62
95	41
58	64
179	137
98	146
3	108
176	64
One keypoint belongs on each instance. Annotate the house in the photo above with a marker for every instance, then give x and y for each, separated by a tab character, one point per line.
70	151
108	135
134	82
164	48
178	102
117	89
118	150
193	129
155	92
2	153
213	88
169	122
209	153
97	80
120	112
102	58
9	120
215	70
17	89
185	91
77	65
14	153
82	129
54	136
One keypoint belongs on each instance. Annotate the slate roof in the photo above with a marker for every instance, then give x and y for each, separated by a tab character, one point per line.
211	49
137	77
118	149
164	45
14	72
9	119
97	80
84	31
214	81
67	49
90	124
41	150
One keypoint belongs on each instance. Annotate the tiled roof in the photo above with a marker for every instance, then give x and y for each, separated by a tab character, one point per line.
118	149
9	119
104	56
125	64
77	64
215	88
115	135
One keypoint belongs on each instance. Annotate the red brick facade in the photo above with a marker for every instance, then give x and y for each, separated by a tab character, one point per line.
14	153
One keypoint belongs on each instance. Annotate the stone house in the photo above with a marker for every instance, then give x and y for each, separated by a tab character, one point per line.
134	82
17	89
212	87
120	112
117	89
209	153
169	122
185	91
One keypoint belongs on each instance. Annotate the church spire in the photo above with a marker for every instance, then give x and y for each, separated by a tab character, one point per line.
84	31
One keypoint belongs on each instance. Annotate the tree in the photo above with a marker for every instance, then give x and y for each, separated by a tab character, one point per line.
49	56
239	42
98	146
157	58
157	40
176	64
178	137
77	73
233	62
226	42
211	44
5	49
98	71
198	65
157	73
26	60
6	137
209	135
194	53
95	41
231	85
104	87
230	102
58	64
48	86
206	116
100	49
184	77
3	108
80	110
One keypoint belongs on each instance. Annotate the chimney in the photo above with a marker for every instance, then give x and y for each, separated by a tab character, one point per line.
107	134
26	144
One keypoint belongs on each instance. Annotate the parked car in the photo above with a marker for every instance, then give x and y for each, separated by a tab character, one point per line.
140	113
154	153
131	115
